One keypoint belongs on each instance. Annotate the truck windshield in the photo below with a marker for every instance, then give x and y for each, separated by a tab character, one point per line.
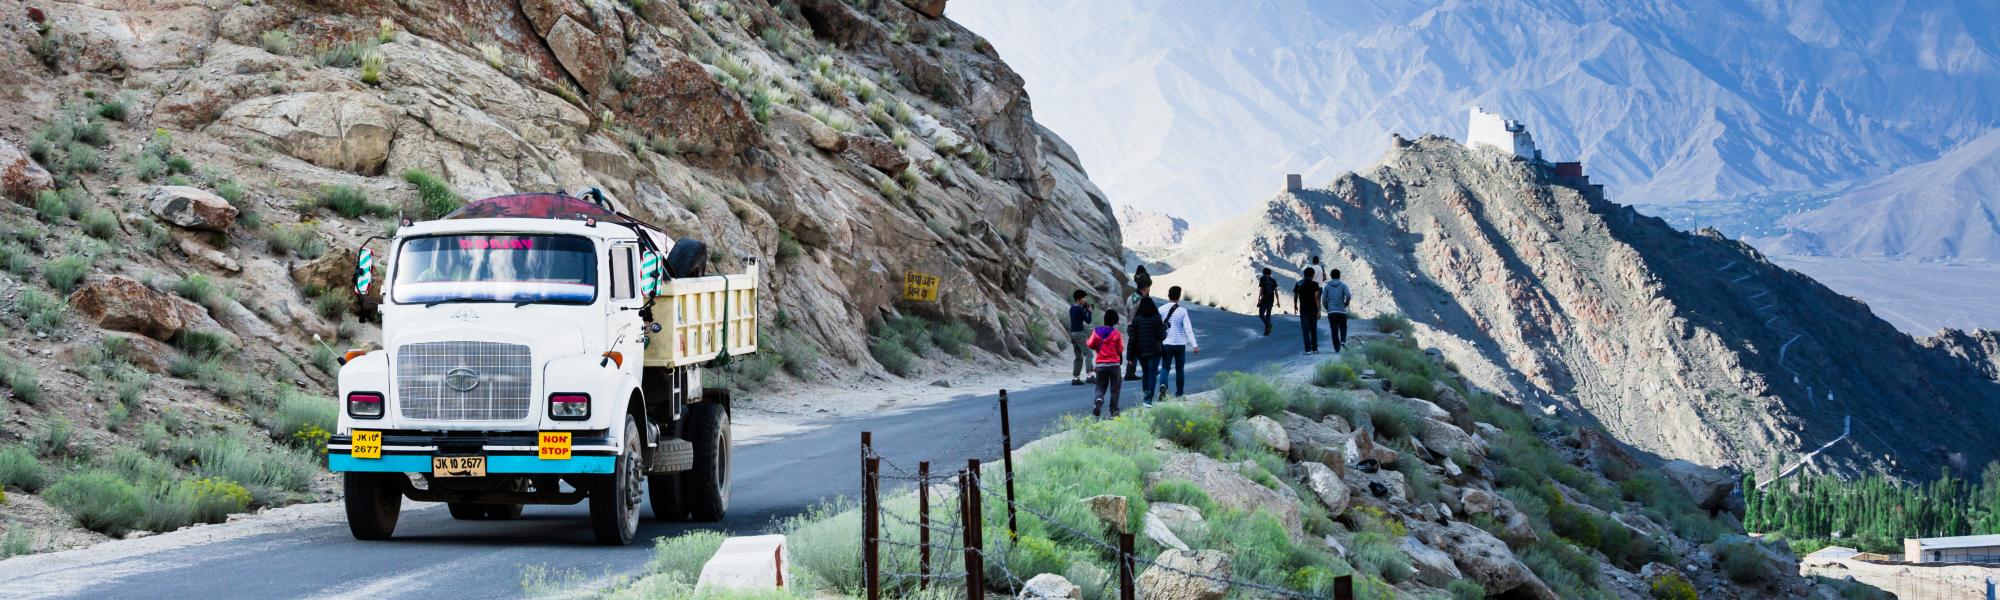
496	268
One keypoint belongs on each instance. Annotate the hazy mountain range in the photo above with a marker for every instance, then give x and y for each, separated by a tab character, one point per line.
1200	108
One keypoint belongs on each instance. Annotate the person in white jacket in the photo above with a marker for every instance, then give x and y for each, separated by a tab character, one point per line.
1180	339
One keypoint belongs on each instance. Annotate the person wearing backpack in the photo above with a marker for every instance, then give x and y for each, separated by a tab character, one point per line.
1179	340
1110	348
1079	331
1267	296
1334	297
1142	282
1305	298
1143	340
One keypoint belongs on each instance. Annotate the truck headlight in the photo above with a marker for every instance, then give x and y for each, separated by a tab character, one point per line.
364	405
569	407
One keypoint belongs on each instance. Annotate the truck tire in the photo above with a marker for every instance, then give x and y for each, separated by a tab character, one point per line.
705	488
663	490
688	258
374	503
614	498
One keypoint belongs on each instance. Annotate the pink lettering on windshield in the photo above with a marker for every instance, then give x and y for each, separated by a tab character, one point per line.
496	244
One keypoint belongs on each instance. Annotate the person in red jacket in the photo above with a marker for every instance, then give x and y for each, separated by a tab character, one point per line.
1110	347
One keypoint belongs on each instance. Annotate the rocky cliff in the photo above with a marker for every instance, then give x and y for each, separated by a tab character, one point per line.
1684	345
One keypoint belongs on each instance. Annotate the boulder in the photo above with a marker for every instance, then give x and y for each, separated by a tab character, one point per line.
122	303
1483	558
1395	491
1434	567
1605	454
1050	586
1181	519
877	152
334	271
1325	485
1269	433
348	130
1228	488
587	55
1449	399
1178	575
1710	487
821	135
190	207
1475	501
1156	529
21	178
1304	434
1446	438
682	102
1111	510
209	256
930	8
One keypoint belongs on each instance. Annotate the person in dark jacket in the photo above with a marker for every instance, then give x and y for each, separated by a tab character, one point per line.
1142	281
1144	338
1079	332
1305	297
1267	296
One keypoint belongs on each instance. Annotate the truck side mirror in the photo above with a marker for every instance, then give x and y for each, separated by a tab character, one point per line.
364	271
649	274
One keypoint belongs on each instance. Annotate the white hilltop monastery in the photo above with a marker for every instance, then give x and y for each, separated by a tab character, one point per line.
1508	135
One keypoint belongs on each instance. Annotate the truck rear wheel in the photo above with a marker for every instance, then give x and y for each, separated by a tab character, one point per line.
705	488
614	498
374	503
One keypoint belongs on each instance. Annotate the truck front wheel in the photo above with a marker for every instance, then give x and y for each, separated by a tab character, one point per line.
614	498
705	488
374	502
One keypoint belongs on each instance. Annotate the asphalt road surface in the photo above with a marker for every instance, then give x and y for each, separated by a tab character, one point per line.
433	556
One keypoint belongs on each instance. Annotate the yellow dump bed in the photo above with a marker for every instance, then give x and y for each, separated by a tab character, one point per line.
704	317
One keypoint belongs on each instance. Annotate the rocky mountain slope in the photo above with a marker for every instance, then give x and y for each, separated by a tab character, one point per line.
1942	210
187	178
1667	100
1684	345
1144	229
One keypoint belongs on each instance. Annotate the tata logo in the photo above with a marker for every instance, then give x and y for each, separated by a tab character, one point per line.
461	379
465	314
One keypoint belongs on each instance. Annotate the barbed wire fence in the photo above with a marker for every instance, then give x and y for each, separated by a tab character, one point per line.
908	554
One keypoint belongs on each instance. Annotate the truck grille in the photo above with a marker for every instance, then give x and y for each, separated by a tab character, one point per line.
464	381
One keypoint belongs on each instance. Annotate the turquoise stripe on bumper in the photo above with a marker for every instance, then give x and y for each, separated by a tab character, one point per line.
421	463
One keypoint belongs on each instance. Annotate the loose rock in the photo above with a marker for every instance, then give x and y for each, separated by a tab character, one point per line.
1168	578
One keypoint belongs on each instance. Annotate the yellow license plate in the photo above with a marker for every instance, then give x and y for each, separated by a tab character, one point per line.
367	444
458	466
553	445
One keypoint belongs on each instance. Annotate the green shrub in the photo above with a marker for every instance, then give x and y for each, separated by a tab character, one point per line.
267	474
1374	553
18	541
1244	394
435	198
349	201
1466	589
99	500
1671	586
954	338
1393	323
1413	385
372	64
204	291
1193	426
15	259
298	413
683	555
1565	582
893	355
45	313
333	303
100	224
179	165
298	239
1181	492
148	167
1334	374
65	273
22	379
53	439
1393	420
180	503
1742	561
277	42
322	358
202	344
113	109
20	469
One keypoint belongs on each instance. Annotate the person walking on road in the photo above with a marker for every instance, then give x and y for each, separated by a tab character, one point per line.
1305	298
1320	269
1079	332
1267	296
1179	340
1335	297
1110	348
1141	281
1143	340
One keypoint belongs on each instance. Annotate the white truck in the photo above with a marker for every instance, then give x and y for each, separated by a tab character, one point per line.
541	349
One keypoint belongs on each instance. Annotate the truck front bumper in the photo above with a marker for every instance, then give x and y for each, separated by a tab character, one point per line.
510	453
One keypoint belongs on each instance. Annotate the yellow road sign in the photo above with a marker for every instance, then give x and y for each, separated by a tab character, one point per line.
920	287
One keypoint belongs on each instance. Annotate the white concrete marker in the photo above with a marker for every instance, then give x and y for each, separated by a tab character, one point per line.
746	563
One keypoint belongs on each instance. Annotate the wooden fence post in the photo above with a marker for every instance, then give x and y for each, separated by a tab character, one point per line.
1007	461
1343	587
976	524
867	449
965	535
923	525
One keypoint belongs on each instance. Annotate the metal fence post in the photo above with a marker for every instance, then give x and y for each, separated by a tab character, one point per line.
1127	580
976	525
923	525
867	448
872	520
1343	587
1007	461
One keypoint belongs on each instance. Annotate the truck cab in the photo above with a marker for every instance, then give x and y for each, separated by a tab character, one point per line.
541	349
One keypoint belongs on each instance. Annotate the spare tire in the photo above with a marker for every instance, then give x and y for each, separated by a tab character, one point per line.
688	258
